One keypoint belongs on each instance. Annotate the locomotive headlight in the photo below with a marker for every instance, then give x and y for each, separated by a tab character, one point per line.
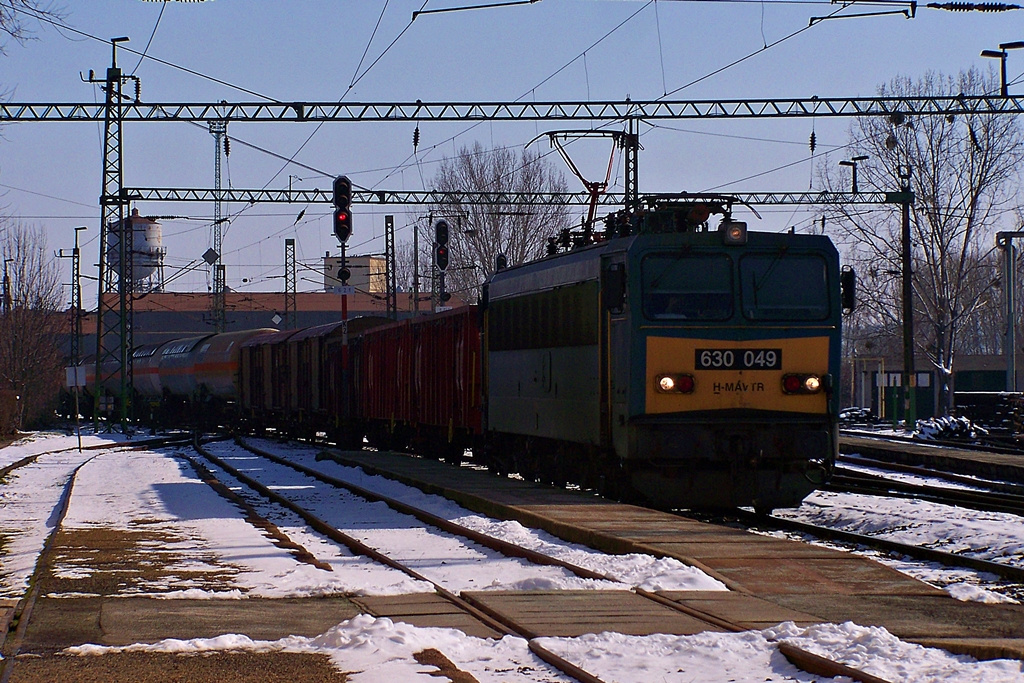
801	384
675	384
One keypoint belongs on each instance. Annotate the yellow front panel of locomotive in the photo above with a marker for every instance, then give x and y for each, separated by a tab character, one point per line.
724	389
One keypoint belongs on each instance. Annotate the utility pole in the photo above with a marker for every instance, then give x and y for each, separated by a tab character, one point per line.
218	129
909	376
114	314
76	377
391	286
416	268
7	287
631	145
290	312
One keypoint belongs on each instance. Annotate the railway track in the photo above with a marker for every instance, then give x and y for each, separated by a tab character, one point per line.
133	445
847	480
15	635
1002	497
930	473
952	560
23	612
503	623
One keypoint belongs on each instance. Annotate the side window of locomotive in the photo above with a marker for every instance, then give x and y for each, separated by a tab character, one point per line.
687	287
780	286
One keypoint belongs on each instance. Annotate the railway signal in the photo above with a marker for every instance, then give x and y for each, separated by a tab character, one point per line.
441	245
342	208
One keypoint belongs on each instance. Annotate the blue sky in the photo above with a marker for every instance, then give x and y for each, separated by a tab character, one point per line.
50	173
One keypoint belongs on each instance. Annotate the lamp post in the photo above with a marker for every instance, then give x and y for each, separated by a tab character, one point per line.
1004	240
909	375
852	163
1001	54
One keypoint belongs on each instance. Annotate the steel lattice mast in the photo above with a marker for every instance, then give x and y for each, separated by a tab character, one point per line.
114	318
218	129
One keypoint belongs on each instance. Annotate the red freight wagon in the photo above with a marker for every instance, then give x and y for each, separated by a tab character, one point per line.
264	373
315	356
420	382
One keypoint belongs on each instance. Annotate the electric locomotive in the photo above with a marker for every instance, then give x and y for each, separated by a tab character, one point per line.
693	366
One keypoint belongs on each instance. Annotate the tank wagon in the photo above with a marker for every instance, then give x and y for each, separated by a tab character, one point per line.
665	359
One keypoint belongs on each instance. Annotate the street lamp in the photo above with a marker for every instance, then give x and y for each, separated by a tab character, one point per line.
1000	54
852	163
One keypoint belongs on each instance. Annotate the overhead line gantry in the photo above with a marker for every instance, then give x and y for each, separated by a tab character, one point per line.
622	110
114	336
431	197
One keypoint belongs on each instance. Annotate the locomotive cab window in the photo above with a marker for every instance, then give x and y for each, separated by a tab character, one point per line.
781	286
687	286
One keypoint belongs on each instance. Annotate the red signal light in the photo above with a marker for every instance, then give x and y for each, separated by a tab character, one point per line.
441	257
342	224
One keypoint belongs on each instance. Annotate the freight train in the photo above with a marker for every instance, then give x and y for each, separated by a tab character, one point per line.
662	359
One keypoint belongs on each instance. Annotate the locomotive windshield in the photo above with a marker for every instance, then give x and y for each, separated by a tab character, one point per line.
775	286
687	286
784	286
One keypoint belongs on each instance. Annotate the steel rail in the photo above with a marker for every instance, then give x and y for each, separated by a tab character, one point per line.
361	548
23	612
852	481
918	552
1000	486
135	445
281	539
498	545
797	656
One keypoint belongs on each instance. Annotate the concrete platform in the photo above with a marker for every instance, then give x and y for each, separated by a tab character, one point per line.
573	613
57	623
783	577
425	610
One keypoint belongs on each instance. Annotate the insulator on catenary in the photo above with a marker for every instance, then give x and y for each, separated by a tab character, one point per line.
814	141
416	138
227	146
973	6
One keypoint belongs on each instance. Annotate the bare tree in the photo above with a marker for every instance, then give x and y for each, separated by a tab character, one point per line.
17	17
963	171
479	234
30	324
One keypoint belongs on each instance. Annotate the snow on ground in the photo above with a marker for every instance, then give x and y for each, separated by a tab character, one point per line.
451	561
645	571
994	536
35	443
160	493
377	649
28	497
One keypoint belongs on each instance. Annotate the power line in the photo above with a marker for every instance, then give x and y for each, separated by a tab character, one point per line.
125	48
